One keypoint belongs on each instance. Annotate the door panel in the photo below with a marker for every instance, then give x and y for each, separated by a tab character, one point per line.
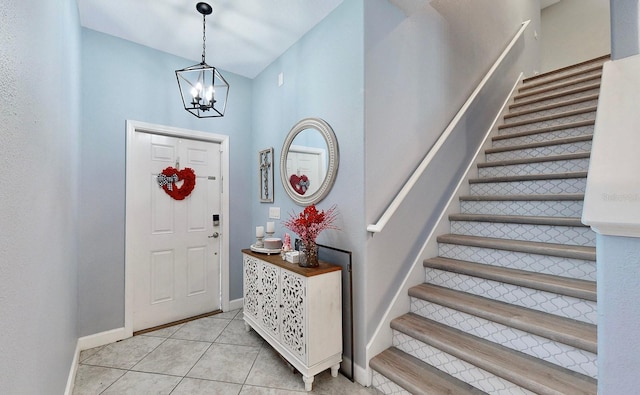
176	266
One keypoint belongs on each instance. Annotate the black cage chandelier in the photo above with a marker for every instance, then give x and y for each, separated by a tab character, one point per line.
203	89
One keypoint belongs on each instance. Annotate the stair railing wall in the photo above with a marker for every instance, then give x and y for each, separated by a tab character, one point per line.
402	194
439	178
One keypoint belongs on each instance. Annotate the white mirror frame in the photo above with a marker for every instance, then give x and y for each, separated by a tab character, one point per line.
332	166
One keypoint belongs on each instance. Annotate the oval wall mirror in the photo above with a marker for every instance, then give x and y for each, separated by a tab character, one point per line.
309	161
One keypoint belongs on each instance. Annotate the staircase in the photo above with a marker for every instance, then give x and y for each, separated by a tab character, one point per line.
509	305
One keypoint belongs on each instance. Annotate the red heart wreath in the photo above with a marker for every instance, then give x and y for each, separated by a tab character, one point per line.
300	184
170	176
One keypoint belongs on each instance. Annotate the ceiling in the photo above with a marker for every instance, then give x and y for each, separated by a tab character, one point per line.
243	36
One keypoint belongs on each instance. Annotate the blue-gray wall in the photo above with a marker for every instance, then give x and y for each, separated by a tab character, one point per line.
120	81
625	29
39	132
323	77
422	62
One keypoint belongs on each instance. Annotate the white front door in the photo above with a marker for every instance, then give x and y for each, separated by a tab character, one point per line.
175	263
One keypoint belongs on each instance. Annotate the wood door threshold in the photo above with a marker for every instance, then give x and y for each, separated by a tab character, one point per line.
182	321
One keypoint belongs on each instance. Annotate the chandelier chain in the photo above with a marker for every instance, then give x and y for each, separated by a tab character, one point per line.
204	37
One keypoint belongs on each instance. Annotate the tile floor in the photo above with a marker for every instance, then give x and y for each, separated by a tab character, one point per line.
212	355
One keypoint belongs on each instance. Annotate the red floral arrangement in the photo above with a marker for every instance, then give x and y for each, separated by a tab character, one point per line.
309	223
170	176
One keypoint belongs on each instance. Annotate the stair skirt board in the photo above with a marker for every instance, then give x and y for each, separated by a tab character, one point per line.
509	304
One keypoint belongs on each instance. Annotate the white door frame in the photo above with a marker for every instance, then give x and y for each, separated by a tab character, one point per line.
136	126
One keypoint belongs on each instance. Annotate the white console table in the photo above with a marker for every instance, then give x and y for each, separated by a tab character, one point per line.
297	310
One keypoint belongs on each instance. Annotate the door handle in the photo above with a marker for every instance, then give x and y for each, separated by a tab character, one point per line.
214	235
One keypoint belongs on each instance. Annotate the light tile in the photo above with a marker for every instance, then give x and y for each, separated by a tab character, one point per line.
206	387
137	383
240	315
223	362
205	329
92	380
227	315
235	333
253	390
324	383
86	354
175	357
125	353
270	370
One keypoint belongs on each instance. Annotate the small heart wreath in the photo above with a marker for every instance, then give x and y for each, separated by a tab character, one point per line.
170	176
300	184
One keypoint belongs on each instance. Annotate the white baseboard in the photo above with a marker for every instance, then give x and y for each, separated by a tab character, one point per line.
71	379
91	341
361	375
102	338
235	304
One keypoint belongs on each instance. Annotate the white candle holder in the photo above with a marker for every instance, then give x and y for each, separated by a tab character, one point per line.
259	241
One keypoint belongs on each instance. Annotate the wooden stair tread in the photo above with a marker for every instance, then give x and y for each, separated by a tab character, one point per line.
535	159
551	106
529	84
544	282
530	247
564	330
548	117
541	197
519	219
555	95
558	85
418	377
570	125
599	61
539	144
530	177
528	372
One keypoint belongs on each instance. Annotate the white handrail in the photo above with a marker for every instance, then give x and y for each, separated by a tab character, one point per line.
391	209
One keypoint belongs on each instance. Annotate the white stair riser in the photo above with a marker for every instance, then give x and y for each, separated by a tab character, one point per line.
569	235
569	71
546	264
549	167
544	151
564	89
551	111
569	357
386	386
553	100
542	137
547	123
537	208
456	367
548	302
564	185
